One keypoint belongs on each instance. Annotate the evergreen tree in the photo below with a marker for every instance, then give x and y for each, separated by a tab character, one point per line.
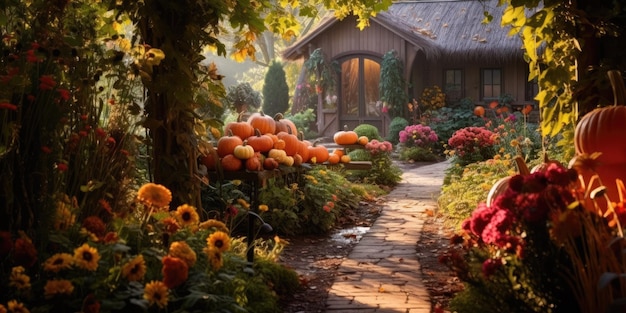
275	90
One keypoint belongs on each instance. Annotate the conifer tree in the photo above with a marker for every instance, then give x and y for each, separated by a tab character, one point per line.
275	90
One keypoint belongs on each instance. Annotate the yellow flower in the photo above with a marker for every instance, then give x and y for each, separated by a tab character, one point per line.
18	279
514	143
186	215
263	208
17	307
211	223
219	240
64	217
57	287
154	194
86	257
236	182
135	269
154	56
243	203
181	250
156	293
215	257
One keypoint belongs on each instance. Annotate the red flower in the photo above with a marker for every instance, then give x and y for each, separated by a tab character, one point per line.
62	167
64	94
91	304
490	266
46	82
8	106
100	133
6	244
46	149
105	205
24	252
95	225
175	271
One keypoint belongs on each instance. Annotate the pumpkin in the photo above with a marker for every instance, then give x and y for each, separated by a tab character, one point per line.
279	144
277	154
292	144
254	163
264	123
303	151
602	130
260	142
297	159
503	183
333	158
345	158
231	163
226	144
318	153
270	164
345	137
240	128
363	140
210	160
288	160
243	151
339	152
479	111
284	125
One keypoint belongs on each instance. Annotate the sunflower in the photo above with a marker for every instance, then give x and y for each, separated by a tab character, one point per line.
58	262
215	257
18	279
57	287
211	223
135	269
186	215
154	194
64	217
156	293
181	250
17	307
219	240
86	257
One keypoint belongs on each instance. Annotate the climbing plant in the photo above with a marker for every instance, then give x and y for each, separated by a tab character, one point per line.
392	85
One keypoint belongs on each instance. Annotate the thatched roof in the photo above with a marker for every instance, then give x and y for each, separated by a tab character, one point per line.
443	28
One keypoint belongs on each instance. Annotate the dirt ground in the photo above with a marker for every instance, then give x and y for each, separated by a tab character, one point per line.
316	259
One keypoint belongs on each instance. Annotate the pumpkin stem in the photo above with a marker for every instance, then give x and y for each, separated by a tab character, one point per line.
522	168
617	83
345	127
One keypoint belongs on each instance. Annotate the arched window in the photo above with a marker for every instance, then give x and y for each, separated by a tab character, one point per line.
358	87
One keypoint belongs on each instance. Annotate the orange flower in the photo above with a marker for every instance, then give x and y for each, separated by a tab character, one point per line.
493	104
24	252
86	257
181	250
154	194
58	287
175	271
58	262
527	109
186	215
219	240
17	307
135	269
95	225
156	293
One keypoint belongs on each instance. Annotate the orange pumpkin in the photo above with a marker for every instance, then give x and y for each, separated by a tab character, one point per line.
345	158
345	137
363	140
254	163
479	111
240	128
231	163
226	144
602	130
210	160
318	152
264	123
333	158
339	152
260	143
292	144
279	144
284	125
270	164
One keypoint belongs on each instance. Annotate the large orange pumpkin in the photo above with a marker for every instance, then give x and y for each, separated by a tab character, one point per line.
318	152
284	125
345	137
479	111
292	144
603	130
260	143
226	144
264	123
239	128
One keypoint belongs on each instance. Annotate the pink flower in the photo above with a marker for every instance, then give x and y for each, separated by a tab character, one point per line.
64	94
490	266
47	82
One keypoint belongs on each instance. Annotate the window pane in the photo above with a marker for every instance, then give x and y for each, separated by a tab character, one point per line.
372	78
496	77
487	91
350	87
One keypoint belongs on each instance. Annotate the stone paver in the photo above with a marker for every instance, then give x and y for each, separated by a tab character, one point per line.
382	273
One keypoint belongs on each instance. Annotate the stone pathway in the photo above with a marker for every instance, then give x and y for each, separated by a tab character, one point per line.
382	273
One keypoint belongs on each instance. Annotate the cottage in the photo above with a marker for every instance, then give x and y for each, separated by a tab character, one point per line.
441	43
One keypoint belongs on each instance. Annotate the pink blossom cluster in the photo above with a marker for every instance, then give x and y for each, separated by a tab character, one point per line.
529	202
418	136
471	140
376	146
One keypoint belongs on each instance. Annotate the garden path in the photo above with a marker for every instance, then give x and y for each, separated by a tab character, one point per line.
382	272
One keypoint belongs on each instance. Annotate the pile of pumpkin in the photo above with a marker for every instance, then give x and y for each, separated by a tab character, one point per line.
262	142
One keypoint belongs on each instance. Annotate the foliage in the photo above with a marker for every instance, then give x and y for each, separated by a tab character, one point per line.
360	155
367	130
448	119
243	98
281	201
417	154
383	171
537	244
275	90
471	144
515	137
303	121
432	98
392	85
324	72
397	124
465	187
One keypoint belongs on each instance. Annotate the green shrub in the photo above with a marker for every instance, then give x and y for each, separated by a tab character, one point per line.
417	154
396	125
446	120
367	130
359	155
275	90
303	121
